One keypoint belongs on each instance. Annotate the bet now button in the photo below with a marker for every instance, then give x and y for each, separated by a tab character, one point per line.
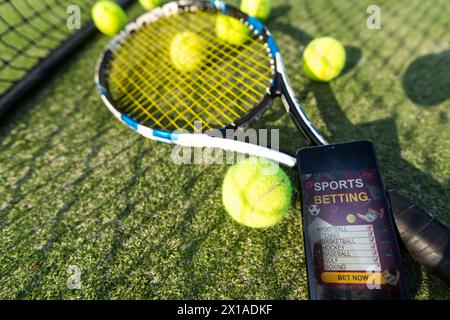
353	277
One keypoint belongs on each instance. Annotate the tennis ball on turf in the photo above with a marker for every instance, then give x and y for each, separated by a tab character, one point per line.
150	4
259	9
187	51
256	193
108	17
231	30
324	59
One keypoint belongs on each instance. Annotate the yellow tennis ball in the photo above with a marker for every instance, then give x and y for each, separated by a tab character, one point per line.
259	9
187	51
108	17
324	59
231	30
350	218
256	193
150	4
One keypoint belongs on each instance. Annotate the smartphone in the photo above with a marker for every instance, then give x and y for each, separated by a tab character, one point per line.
350	239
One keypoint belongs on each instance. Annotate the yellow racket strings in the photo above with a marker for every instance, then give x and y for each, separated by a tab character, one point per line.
209	114
147	86
207	74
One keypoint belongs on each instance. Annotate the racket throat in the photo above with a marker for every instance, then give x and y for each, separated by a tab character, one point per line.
301	120
293	106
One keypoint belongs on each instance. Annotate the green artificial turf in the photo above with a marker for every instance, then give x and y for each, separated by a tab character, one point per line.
77	188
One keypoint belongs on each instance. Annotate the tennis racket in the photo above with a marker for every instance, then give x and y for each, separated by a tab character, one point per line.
234	86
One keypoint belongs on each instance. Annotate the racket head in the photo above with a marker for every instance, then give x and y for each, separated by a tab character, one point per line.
142	87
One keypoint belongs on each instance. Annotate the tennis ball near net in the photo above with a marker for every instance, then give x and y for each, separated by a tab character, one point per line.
108	17
150	4
256	193
323	59
187	51
231	30
259	9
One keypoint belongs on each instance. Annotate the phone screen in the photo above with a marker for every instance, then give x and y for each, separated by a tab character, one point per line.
350	240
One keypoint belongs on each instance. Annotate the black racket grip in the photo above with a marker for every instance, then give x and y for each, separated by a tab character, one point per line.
425	238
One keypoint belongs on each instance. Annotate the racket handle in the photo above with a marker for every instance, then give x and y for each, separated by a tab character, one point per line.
426	239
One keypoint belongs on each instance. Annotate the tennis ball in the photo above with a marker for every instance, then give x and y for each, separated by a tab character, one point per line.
350	218
150	4
256	193
108	17
256	8
231	30
187	51
323	59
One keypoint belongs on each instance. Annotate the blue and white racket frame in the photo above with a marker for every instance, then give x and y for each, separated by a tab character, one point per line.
279	86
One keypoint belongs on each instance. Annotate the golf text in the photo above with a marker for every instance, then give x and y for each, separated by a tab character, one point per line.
344	197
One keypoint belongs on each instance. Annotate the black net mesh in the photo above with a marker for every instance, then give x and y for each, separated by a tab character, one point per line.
31	29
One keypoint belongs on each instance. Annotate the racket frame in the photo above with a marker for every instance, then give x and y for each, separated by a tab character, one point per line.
279	87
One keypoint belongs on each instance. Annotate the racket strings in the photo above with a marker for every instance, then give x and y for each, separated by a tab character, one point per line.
215	52
178	99
217	97
142	89
140	103
193	91
147	86
261	54
220	94
174	94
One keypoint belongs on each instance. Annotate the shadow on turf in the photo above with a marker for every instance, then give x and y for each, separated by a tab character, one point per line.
427	79
9	120
382	132
280	11
40	258
182	230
